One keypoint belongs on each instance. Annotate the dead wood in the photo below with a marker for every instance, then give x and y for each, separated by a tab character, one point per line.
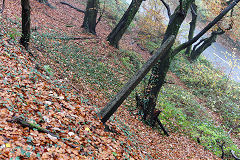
72	38
46	3
77	9
24	123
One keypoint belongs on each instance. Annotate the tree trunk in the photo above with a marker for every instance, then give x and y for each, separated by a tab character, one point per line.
159	71
25	23
205	29
192	26
116	101
117	33
205	44
90	18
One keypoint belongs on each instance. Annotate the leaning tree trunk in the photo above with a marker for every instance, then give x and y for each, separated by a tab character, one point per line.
192	26
205	44
25	23
159	71
90	18
117	33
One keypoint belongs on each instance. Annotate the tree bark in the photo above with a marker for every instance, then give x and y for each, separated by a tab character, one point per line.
205	44
25	23
90	18
115	102
207	28
3	6
159	70
192	26
117	33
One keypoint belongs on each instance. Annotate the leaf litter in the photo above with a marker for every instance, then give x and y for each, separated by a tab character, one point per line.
53	105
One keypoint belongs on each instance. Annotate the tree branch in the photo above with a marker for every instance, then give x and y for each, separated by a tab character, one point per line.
193	9
3	6
208	27
234	156
101	14
79	10
167	7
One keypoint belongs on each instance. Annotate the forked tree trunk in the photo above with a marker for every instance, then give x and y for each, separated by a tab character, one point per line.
90	18
25	23
159	71
205	43
117	33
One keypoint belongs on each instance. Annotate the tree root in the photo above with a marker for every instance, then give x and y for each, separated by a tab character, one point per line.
162	127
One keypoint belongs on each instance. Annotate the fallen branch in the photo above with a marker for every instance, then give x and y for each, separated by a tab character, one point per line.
79	10
24	123
141	47
72	38
46	3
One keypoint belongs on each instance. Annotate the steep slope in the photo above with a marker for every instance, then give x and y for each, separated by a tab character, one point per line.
27	91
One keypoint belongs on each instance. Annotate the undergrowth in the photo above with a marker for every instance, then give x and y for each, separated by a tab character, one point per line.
107	73
217	93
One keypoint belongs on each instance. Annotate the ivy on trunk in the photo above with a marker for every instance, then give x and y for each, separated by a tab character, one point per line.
117	33
159	71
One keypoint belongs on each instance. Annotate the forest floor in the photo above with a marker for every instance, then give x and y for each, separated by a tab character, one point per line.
68	109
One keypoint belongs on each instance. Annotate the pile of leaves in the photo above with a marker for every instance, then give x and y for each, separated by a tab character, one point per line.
71	129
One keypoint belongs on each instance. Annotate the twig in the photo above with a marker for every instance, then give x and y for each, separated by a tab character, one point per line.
79	10
24	123
46	3
141	47
169	82
101	14
229	132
